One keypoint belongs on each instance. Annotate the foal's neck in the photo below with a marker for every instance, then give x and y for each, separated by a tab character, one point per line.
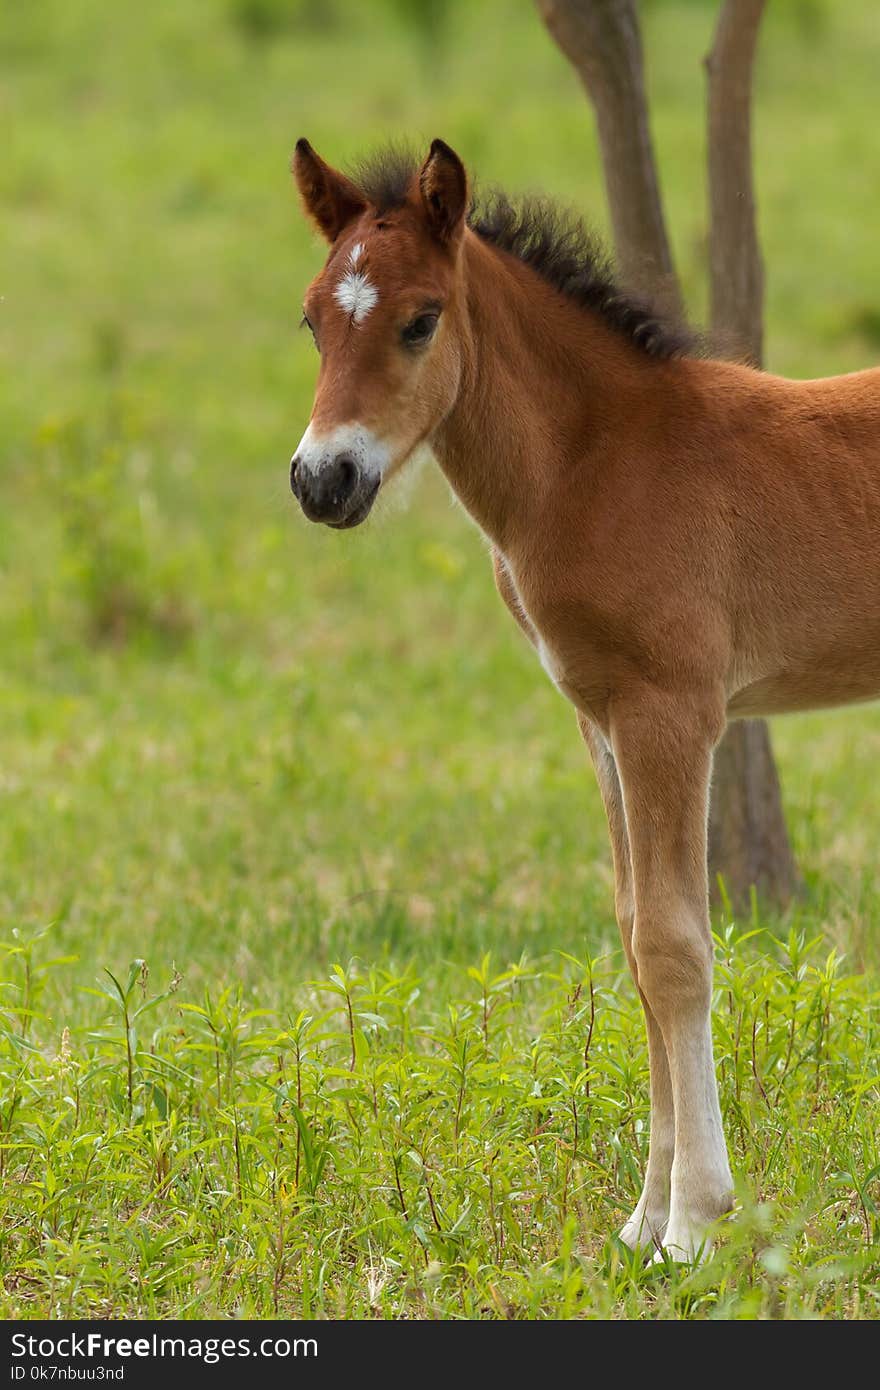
545	384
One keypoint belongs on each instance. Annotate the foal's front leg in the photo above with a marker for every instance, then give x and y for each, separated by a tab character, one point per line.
646	1227
663	752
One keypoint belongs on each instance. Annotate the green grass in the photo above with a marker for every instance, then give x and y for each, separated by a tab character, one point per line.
456	1145
318	782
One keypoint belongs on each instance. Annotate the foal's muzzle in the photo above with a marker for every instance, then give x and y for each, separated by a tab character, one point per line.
339	493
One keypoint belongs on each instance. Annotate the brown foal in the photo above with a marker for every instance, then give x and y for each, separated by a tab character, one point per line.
683	541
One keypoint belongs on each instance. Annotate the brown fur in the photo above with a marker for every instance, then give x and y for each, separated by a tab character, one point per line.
685	540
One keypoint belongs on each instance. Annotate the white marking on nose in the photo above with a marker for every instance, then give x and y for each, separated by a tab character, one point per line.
356	295
369	454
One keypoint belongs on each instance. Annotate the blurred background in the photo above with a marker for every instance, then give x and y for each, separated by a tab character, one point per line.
250	746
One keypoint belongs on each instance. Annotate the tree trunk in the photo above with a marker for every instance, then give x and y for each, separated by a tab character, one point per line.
736	270
748	842
602	40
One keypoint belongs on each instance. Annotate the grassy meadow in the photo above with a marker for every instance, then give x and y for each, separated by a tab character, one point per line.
311	1001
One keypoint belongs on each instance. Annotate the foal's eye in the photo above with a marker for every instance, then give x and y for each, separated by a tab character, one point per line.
305	322
420	330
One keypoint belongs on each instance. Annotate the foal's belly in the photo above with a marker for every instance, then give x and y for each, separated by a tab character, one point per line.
830	682
819	687
840	667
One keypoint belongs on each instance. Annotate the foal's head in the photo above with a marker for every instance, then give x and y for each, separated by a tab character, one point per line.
386	315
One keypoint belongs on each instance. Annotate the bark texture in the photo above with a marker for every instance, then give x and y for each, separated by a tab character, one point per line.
602	40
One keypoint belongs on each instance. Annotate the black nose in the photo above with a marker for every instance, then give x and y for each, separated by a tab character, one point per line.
325	495
346	476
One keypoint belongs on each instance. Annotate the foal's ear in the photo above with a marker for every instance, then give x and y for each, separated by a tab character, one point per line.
444	189
329	198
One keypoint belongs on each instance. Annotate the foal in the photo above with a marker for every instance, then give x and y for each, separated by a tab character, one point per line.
682	540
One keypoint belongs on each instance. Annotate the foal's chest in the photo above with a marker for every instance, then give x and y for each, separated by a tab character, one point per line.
555	651
550	662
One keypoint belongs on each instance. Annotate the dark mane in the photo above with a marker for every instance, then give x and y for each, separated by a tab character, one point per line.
554	241
385	178
558	244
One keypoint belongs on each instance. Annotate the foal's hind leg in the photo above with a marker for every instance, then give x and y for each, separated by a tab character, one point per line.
647	1224
663	749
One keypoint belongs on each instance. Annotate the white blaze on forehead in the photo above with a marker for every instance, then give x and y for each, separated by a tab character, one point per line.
355	293
317	451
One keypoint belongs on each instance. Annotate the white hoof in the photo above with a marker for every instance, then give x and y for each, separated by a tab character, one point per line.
643	1231
693	1248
